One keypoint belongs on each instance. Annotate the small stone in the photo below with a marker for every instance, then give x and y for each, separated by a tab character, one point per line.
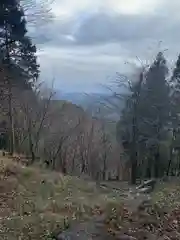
126	237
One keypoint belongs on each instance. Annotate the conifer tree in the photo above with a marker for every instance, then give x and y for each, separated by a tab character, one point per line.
145	119
155	109
175	91
17	50
175	112
17	55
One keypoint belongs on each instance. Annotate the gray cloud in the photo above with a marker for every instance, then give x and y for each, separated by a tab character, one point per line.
103	28
108	26
84	52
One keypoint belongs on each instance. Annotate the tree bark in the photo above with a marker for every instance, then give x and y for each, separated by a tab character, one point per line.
170	161
133	168
149	168
156	163
8	80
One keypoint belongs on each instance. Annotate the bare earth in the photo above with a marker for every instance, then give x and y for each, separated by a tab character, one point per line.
95	229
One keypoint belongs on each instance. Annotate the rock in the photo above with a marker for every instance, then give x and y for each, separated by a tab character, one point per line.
147	202
65	236
145	190
147	184
93	229
126	237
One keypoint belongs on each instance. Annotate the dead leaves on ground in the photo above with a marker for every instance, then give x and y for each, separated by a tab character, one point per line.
154	224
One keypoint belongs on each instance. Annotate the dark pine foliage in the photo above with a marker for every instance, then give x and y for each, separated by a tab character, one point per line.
175	96
18	54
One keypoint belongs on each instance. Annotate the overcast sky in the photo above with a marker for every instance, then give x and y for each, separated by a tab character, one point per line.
90	40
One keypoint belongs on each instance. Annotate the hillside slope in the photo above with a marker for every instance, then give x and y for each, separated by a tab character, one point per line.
39	204
35	203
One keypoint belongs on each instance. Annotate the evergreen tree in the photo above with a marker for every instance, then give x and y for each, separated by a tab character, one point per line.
18	59
175	92
176	72
17	50
175	113
155	109
25	68
145	120
128	127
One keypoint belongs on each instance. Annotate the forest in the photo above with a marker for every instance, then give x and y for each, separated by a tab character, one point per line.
68	172
62	136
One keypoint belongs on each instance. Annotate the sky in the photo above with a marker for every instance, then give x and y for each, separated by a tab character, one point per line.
88	41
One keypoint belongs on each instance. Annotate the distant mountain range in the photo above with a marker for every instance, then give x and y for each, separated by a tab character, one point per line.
82	99
92	102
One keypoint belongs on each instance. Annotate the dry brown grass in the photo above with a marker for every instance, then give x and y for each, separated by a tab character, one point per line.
168	195
36	202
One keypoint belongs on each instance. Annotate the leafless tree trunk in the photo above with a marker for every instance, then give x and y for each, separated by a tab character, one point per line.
134	143
8	81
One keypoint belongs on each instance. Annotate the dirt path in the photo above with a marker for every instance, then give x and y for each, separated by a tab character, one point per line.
94	229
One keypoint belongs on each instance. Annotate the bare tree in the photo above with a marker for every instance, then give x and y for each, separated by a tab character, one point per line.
37	12
32	120
125	88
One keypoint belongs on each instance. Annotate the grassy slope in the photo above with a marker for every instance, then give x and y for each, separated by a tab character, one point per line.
35	202
167	195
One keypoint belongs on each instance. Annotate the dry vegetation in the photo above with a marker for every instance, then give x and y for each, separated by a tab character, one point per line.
168	194
34	203
61	140
155	220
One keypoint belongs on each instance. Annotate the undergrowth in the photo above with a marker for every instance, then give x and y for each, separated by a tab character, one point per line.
36	203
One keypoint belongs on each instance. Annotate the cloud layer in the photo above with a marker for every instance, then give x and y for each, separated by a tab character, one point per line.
90	40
